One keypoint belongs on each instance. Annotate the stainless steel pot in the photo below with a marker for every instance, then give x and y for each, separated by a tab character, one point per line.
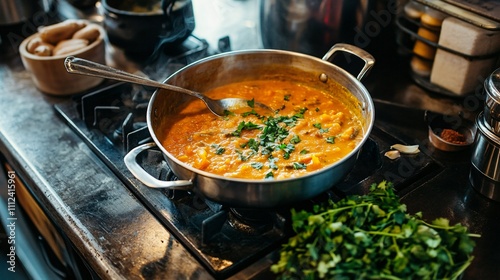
492	102
485	161
251	64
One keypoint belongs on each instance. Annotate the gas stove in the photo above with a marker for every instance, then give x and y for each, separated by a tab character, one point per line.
111	120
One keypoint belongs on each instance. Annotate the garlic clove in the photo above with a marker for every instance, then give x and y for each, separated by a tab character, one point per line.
412	149
392	154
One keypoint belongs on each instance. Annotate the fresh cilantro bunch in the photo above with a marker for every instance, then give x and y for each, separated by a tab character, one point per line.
372	237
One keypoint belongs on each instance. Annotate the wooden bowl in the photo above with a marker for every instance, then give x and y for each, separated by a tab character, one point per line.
50	75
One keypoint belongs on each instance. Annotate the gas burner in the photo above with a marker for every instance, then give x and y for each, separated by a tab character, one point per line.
250	221
118	112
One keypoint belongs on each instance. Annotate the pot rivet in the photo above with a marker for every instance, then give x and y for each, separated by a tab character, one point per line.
323	77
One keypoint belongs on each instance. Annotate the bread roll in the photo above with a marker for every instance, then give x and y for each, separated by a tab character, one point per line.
70	46
55	33
89	32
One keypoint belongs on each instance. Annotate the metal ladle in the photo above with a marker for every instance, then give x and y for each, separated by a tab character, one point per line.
219	107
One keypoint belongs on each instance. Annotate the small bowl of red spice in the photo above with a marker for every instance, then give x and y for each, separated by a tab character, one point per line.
450	133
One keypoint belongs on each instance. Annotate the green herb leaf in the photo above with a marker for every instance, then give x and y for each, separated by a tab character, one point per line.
256	165
252	112
287	149
272	163
251	103
218	149
300	114
228	113
245	156
245	126
372	237
295	139
298	165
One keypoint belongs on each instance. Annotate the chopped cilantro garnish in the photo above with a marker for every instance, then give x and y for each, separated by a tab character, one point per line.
218	149
245	156
295	139
256	165
298	165
252	144
300	114
245	126
275	130
272	163
228	113
272	131
330	140
321	130
287	149
289	121
252	112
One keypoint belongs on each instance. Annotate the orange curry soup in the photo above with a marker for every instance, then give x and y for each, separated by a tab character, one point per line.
308	130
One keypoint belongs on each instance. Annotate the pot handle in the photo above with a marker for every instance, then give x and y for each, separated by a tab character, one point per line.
146	178
362	54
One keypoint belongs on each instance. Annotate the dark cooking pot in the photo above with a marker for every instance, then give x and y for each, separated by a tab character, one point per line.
137	31
246	65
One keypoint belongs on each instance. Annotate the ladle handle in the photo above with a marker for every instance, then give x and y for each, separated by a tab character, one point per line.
75	65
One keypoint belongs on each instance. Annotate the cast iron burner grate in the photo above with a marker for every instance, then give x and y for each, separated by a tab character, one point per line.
111	121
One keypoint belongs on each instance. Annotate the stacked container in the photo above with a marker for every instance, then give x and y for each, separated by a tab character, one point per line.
485	169
453	47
